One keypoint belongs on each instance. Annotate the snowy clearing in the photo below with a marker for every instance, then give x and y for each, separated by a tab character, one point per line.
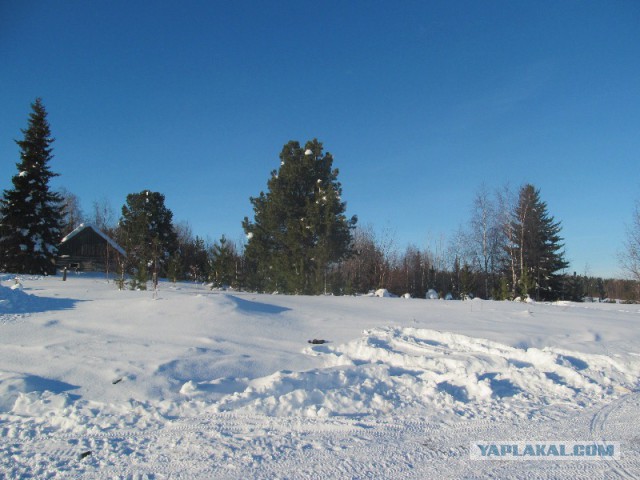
101	383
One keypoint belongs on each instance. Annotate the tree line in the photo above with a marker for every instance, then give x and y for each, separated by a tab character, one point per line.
300	239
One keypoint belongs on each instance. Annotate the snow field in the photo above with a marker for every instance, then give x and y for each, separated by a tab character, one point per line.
201	384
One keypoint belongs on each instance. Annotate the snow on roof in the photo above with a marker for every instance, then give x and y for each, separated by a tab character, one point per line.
84	226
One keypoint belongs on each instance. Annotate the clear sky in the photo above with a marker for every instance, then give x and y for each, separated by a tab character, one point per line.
419	102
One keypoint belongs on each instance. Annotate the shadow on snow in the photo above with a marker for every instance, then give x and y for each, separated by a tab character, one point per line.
18	301
252	306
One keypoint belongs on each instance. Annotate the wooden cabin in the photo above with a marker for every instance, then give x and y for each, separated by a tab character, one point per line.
88	249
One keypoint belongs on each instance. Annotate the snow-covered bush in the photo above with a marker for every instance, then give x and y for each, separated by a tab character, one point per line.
431	294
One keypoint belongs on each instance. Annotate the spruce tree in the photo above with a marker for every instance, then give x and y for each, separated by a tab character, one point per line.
30	213
196	260
299	227
147	234
223	263
537	247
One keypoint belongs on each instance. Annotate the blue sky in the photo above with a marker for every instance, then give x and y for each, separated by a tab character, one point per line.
419	102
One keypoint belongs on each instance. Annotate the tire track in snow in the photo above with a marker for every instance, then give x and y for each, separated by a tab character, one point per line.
255	446
601	430
260	447
12	319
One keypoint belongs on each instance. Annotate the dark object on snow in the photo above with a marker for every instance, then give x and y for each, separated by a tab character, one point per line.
116	381
315	341
84	455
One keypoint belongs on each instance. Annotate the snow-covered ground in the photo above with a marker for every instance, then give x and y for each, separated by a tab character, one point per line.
101	383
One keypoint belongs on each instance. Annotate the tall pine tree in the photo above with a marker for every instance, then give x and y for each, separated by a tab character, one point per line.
30	213
300	227
537	247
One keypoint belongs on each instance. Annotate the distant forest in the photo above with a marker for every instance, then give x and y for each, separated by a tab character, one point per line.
300	240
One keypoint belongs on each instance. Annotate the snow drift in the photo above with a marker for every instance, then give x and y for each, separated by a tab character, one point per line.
426	370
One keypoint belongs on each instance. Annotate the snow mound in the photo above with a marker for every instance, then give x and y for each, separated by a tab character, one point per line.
15	300
430	371
383	293
16	388
431	294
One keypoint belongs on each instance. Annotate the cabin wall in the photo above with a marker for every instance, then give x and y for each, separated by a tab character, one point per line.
85	264
87	252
